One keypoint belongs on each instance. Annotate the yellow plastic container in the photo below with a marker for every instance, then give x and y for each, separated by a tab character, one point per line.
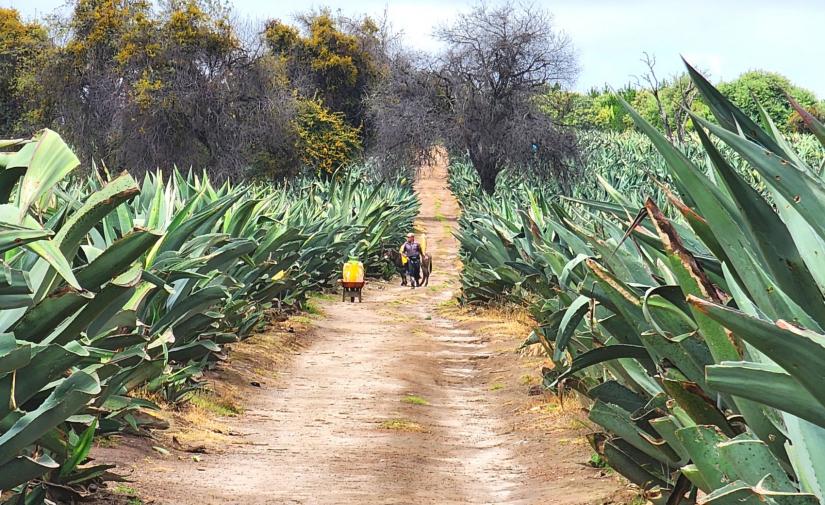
353	273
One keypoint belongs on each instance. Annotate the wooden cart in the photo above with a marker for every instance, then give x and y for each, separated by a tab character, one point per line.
351	290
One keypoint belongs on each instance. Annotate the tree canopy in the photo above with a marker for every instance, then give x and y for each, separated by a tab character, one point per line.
141	85
599	108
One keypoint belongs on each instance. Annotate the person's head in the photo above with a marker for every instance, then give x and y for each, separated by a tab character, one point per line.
410	237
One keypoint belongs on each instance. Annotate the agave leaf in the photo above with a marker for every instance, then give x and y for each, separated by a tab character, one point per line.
193	350
666	427
176	236
741	493
572	317
67	398
695	403
80	451
51	160
813	124
798	351
754	463
12	354
23	469
805	191
768	384
617	420
48	363
769	231
633	464
807	454
12	237
613	392
602	354
196	303
116	258
46	249
93	210
728	115
109	298
627	302
777	136
43	318
702	444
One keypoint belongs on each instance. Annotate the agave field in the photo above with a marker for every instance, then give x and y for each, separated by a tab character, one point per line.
111	285
682	300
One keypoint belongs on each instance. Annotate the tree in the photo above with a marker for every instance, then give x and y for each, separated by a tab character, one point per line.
142	89
407	113
672	98
21	44
496	63
597	109
335	59
768	89
325	140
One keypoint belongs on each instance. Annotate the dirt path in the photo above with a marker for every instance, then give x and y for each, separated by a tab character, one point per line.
389	403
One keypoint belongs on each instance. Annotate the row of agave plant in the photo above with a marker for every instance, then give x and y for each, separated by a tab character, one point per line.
109	285
697	340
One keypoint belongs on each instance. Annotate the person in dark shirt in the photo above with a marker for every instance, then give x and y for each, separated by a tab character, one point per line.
412	251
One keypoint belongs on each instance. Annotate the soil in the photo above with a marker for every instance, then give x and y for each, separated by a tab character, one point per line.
402	399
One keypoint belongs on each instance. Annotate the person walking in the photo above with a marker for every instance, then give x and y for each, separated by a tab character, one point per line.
412	251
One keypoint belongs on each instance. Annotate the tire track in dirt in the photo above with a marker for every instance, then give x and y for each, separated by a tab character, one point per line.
336	430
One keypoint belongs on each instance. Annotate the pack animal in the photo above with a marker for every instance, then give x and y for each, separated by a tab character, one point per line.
393	256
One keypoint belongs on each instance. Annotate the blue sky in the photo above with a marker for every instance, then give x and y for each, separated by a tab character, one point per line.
722	37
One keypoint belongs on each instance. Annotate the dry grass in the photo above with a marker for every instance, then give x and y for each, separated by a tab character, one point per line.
201	420
494	320
548	414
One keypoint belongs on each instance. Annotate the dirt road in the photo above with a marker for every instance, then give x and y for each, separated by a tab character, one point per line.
389	403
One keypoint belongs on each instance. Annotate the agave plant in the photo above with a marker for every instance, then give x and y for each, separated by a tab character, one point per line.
692	323
109	285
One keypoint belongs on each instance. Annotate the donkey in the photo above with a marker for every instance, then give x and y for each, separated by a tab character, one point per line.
394	256
426	269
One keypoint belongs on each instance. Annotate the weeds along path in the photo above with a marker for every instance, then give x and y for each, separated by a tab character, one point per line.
389	403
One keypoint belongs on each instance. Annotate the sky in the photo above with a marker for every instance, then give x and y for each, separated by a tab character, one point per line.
722	37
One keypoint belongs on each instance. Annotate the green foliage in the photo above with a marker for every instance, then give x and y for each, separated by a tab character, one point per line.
695	337
20	45
131	85
608	114
335	57
325	140
110	285
767	89
600	108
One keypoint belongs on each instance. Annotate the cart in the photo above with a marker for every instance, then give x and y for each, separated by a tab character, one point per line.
351	290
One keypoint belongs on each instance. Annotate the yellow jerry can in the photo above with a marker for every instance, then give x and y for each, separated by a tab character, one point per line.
353	273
